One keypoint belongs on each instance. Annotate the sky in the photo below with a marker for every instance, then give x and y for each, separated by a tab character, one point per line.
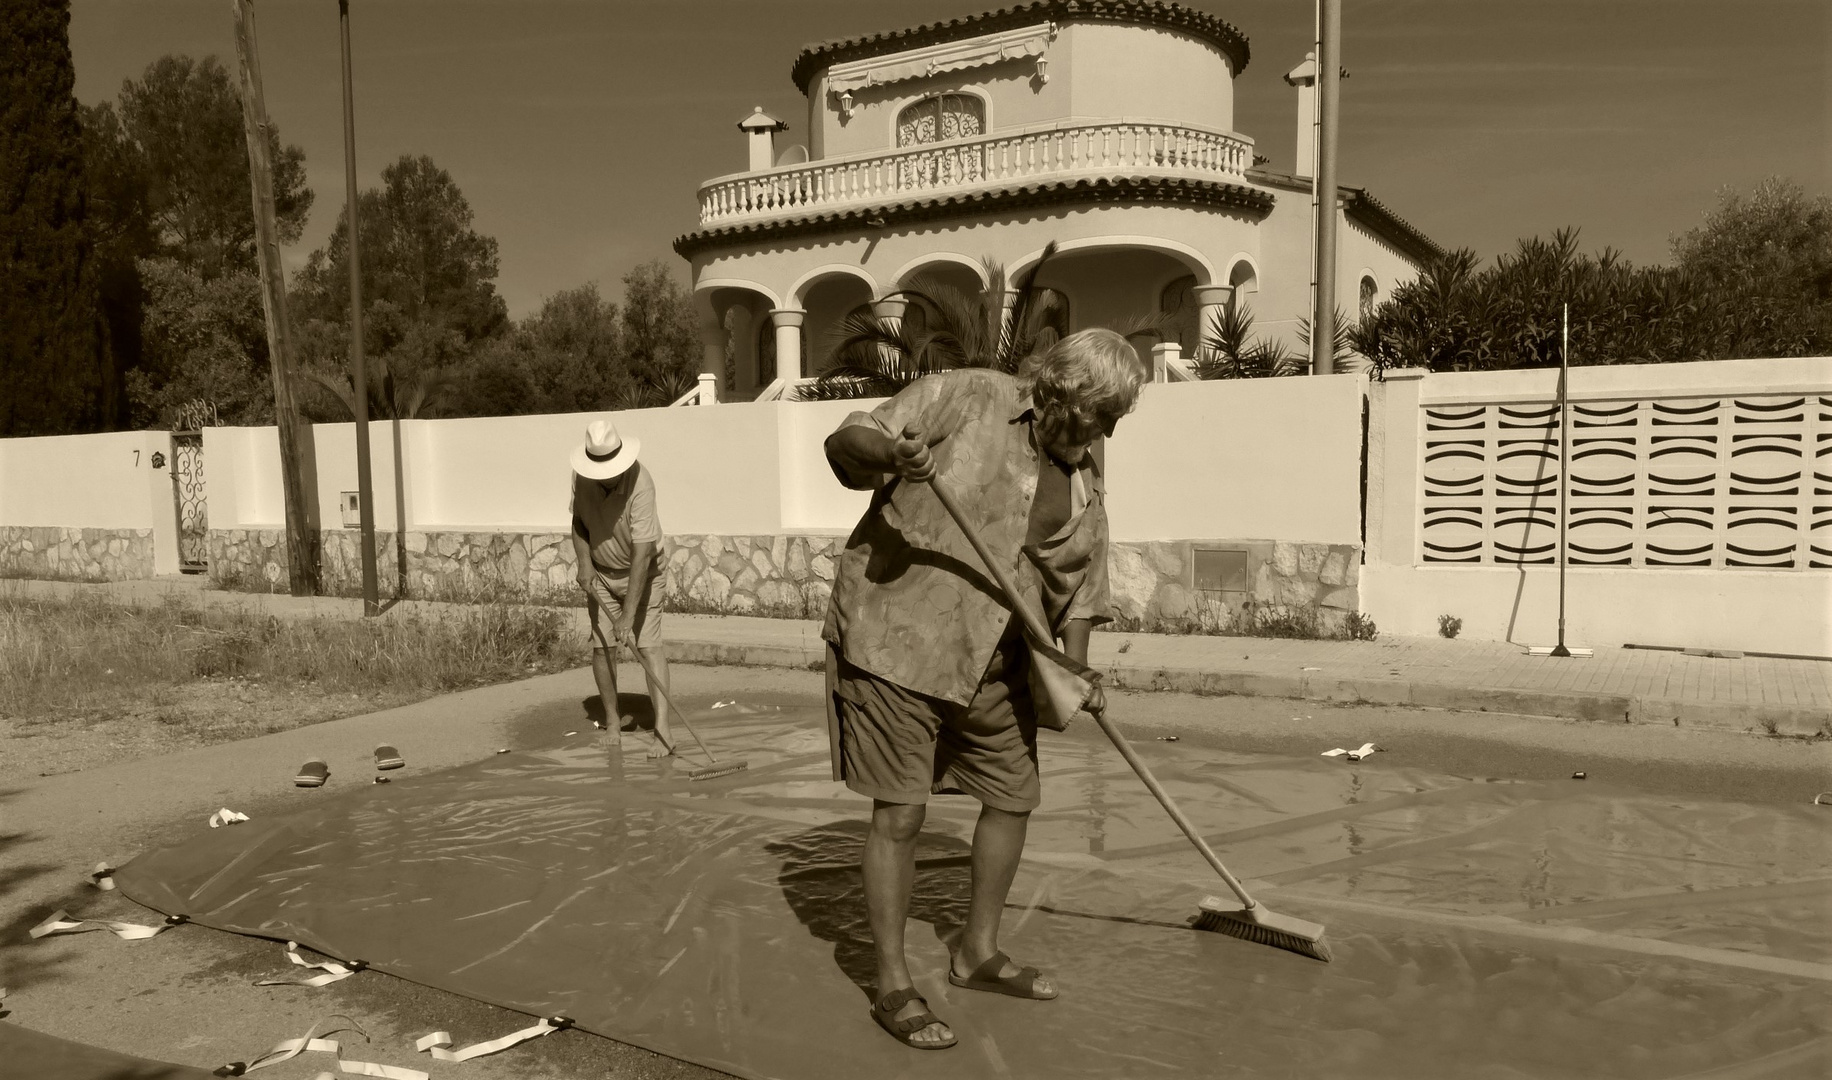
580	129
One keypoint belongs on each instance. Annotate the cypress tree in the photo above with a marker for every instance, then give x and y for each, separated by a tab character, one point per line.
51	343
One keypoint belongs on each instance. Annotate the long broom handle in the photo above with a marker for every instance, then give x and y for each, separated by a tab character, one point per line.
655	687
1042	633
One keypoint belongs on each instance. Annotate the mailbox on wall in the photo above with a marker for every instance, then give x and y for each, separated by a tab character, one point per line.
352	515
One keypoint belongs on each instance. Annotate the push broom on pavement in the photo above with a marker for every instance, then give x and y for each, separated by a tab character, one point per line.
1250	922
714	768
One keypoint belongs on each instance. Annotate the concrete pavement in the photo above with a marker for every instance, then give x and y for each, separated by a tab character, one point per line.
1737	693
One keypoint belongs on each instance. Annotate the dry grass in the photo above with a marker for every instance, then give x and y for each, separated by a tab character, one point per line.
84	680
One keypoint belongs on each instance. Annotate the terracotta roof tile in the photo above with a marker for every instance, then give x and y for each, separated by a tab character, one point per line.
1200	24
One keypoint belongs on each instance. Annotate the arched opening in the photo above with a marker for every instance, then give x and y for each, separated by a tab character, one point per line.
735	314
1245	281
954	275
1125	288
943	119
828	301
940	118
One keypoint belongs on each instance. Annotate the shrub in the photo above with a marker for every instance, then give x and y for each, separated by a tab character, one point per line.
1449	626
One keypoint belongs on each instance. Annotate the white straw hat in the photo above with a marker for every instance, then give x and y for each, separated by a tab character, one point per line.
605	454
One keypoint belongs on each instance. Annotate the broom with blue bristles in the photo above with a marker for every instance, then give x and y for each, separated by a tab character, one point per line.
1250	922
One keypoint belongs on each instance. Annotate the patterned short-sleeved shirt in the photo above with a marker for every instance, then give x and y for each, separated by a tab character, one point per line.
911	603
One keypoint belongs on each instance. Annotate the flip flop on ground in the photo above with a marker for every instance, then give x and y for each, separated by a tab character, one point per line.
904	1030
986	977
312	774
387	757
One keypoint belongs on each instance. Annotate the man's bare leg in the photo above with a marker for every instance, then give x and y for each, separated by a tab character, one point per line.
604	672
889	869
658	663
998	845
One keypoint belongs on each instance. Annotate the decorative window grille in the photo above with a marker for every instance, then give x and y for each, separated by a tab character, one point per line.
1368	291
940	119
1740	482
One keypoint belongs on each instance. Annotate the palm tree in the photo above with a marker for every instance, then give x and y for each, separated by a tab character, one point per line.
1229	351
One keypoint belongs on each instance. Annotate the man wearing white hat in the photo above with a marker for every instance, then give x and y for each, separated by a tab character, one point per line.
617	538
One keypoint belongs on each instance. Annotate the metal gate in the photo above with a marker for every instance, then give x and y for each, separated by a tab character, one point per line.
188	494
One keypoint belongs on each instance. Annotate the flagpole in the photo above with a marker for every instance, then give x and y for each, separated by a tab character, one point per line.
1564	469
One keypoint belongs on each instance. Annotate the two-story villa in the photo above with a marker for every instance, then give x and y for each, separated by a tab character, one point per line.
1106	126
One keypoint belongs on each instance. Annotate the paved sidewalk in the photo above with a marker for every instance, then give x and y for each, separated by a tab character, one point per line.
1791	697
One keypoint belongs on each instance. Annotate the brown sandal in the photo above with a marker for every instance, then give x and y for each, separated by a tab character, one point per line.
986	977
902	1030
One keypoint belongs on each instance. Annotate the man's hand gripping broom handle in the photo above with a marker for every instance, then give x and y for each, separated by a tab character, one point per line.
1042	633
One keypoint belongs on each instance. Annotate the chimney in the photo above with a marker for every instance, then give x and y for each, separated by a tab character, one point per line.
761	128
1304	77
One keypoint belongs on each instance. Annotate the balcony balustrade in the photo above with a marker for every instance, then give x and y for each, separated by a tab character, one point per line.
1064	152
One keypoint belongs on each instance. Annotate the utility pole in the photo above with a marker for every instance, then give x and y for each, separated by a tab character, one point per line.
365	489
1329	67
301	537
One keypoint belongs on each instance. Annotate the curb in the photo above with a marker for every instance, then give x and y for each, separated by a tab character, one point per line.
1568	705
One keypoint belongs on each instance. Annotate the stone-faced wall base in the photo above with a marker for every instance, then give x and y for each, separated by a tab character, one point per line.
1153	584
51	553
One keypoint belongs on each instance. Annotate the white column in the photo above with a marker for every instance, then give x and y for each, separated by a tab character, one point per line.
890	309
1213	301
1164	356
788	325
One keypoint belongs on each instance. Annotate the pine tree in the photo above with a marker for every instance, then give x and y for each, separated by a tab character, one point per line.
52	347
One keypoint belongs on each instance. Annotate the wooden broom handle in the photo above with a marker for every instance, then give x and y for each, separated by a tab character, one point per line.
1034	623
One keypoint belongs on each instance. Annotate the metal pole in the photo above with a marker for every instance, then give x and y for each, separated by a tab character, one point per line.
1329	67
1316	90
365	494
400	495
1564	473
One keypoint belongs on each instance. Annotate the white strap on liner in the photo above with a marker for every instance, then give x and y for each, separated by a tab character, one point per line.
60	922
386	1072
438	1042
102	877
333	971
226	816
288	1049
1365	749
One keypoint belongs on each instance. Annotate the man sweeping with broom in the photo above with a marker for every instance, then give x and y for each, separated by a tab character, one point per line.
617	544
930	679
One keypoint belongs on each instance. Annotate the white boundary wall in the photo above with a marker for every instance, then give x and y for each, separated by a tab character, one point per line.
105	481
1268	460
1265	460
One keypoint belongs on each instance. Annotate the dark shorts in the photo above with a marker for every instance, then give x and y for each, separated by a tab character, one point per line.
899	746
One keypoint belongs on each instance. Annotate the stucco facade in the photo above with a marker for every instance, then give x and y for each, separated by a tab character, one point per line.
1107	129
